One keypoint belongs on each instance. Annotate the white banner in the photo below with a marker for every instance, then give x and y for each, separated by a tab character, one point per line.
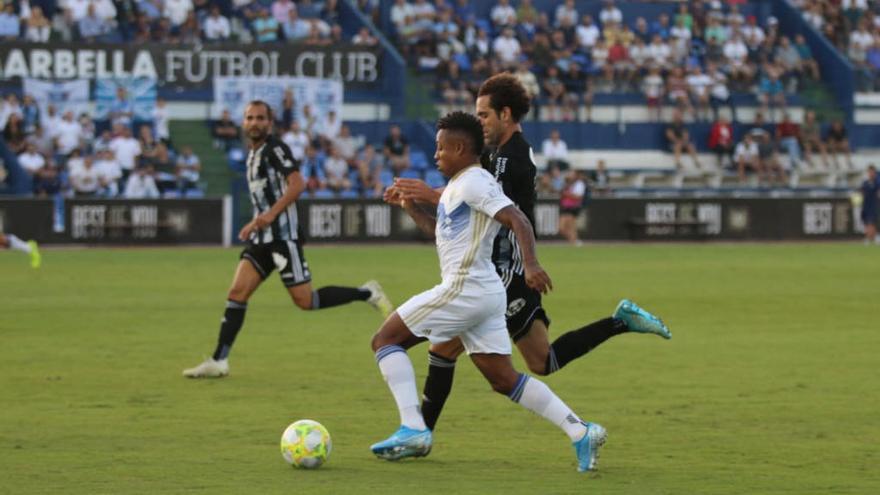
64	96
233	93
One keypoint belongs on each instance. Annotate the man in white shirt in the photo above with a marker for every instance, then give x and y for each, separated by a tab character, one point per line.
503	15
330	126
555	151
126	149
216	26
84	179
296	139
30	160
69	132
109	173
699	84
507	48
566	14
471	210
587	33
141	185
610	13
161	121
401	11
745	155
177	11
188	168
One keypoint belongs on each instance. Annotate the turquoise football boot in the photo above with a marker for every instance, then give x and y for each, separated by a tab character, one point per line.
587	448
639	320
405	442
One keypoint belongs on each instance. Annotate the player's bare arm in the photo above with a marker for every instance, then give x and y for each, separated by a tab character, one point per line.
295	186
512	218
423	215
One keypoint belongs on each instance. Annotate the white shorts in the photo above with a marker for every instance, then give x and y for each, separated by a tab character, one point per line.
478	319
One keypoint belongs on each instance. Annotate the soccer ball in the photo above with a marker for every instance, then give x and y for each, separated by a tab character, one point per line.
306	444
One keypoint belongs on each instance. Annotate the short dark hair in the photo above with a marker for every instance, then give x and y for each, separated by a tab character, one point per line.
466	124
505	90
268	108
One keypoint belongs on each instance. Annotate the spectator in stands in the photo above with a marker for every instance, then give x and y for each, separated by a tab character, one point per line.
770	166
296	139
788	135
506	48
677	90
719	94
528	79
295	28
30	114
809	65
680	140
605	83
161	120
555	93
578	90
870	190
84	178
14	134
164	169
44	144
226	133
10	25
176	11
396	150
570	204
109	174
312	168
699	86
746	156
836	141
789	61
566	14
122	109
281	9
660	27
9	106
401	16
610	13
69	133
336	171
307	120
555	151
811	138
771	94
736	59
149	144
87	125
30	160
503	15
659	54
721	140
37	27
346	144
92	27
369	165
216	28
188	169
141	184
600	181
103	141
47	181
587	34
329	127
753	35
265	27
653	89
364	38
126	149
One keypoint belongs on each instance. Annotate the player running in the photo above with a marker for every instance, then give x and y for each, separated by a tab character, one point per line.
501	103
470	301
274	241
11	241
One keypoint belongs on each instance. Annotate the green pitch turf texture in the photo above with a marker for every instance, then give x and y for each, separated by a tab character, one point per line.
770	384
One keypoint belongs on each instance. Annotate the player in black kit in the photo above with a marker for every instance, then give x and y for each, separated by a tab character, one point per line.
501	103
274	241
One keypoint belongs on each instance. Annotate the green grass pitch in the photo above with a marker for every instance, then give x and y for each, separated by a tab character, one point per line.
770	384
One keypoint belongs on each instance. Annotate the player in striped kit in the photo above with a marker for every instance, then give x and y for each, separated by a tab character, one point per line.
274	241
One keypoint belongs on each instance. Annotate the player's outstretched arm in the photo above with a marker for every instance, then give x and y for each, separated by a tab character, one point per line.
512	218
418	191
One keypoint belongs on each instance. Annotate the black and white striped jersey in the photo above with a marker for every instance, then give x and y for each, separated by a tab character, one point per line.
267	169
513	165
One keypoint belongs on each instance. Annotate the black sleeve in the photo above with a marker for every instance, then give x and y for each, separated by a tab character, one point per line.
521	185
280	157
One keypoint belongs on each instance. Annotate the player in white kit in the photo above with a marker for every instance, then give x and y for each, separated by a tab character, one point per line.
470	301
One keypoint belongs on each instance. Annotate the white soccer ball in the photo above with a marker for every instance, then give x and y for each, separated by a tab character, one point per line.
306	444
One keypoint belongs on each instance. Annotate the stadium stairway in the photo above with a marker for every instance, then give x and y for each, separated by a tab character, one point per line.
216	174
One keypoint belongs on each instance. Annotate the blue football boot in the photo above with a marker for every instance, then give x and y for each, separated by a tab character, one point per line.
639	320
587	448
405	442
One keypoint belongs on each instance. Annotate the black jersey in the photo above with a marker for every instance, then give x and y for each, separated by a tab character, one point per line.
267	169
513	165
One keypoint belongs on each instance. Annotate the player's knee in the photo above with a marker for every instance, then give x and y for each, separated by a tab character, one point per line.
537	368
303	303
239	294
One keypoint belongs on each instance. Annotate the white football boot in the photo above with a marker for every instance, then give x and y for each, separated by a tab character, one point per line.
208	369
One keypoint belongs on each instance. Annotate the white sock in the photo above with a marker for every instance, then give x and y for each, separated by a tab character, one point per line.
398	372
537	397
18	244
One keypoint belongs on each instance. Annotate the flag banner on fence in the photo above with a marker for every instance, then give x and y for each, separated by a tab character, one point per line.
233	93
64	96
141	92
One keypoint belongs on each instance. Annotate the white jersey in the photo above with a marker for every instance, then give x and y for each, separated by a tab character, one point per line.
466	231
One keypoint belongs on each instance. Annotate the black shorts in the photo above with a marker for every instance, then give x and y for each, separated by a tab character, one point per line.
523	307
286	256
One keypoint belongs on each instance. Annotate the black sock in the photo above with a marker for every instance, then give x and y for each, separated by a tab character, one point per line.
327	297
232	321
438	384
576	343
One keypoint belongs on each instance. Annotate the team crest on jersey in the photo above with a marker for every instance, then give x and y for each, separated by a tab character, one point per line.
515	307
280	261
